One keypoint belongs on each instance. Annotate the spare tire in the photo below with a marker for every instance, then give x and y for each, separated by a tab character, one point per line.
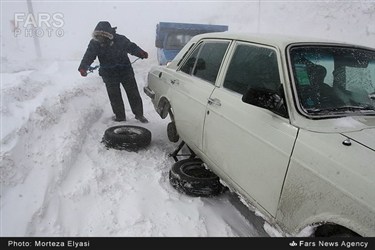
127	137
189	176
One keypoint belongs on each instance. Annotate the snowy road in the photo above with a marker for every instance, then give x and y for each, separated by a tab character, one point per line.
58	179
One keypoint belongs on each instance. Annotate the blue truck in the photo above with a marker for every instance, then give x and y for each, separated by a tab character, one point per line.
172	37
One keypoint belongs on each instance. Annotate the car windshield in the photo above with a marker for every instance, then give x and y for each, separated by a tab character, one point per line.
334	81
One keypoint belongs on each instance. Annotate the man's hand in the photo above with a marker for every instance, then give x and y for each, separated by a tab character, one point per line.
83	72
143	54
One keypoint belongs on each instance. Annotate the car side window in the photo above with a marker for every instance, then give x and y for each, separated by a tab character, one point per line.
188	66
206	60
209	60
252	66
187	52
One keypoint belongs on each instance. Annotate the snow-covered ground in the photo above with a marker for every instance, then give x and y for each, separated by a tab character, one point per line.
58	179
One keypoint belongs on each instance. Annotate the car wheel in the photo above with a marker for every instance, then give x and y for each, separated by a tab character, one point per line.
189	176
172	132
127	137
331	230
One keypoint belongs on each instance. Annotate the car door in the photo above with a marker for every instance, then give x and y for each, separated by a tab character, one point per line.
192	84
251	145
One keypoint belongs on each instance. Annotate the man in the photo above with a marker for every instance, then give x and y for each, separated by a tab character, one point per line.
115	68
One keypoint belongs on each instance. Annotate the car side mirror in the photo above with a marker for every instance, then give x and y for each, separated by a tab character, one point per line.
267	99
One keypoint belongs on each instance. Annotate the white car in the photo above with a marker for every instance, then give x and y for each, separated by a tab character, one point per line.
287	123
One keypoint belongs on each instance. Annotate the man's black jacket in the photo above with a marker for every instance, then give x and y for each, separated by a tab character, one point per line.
113	58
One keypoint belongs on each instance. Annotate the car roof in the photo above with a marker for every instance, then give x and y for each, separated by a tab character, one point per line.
276	40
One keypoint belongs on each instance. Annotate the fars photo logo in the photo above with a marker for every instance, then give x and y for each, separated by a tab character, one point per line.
38	25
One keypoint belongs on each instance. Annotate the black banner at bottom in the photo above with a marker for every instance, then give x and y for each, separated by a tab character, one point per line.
165	243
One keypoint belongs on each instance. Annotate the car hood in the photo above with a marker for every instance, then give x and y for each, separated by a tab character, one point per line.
341	125
364	137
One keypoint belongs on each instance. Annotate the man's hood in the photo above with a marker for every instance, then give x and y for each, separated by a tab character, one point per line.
104	30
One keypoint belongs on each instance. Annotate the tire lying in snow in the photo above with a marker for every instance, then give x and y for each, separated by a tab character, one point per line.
127	137
189	176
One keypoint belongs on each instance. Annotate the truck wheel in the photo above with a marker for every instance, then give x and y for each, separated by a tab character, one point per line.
127	137
189	176
172	132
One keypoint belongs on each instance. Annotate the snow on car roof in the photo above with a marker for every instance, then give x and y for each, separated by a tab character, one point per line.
276	40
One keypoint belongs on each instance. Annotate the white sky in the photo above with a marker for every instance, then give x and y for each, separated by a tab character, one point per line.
350	21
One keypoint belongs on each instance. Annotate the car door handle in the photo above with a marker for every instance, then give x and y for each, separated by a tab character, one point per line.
214	101
175	81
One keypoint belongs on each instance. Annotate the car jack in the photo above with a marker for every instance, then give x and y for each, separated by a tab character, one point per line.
175	153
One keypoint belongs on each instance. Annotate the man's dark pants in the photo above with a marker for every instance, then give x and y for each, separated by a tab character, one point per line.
114	93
